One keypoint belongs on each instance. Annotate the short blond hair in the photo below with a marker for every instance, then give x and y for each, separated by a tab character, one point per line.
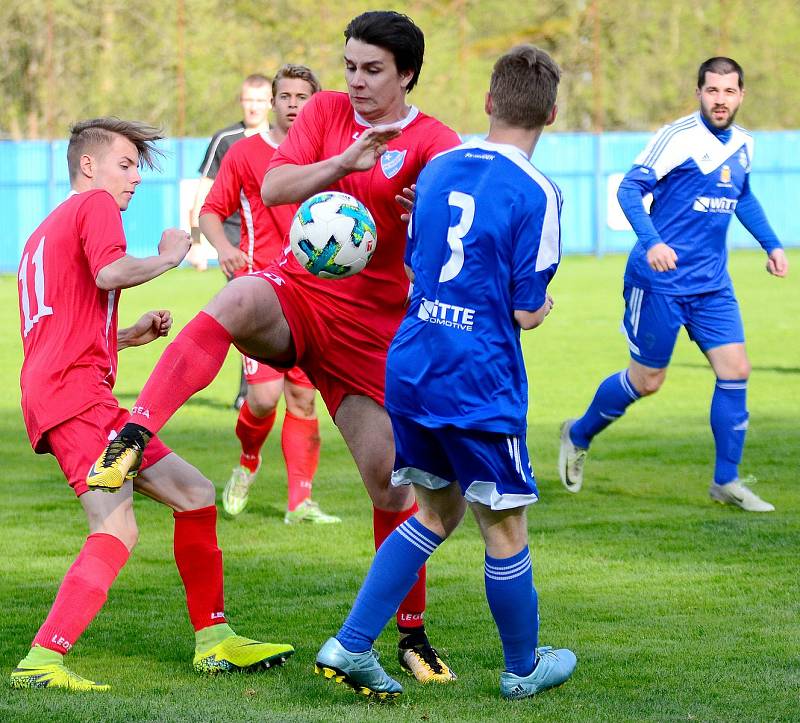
89	136
300	72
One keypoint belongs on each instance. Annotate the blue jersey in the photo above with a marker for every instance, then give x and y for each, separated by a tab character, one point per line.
484	240
697	177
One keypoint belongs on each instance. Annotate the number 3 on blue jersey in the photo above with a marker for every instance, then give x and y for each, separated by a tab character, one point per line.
456	233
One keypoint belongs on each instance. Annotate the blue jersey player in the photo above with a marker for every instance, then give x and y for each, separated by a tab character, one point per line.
484	242
698	171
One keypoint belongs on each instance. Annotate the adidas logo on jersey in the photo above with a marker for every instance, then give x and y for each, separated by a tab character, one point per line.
450	315
705	204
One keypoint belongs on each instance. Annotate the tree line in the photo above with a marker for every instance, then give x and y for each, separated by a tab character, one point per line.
627	64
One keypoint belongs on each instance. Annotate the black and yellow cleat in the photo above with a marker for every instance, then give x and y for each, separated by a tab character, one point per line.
119	461
361	671
53	676
236	653
422	661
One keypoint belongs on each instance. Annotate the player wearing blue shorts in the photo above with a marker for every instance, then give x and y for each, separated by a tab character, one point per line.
698	171
484	242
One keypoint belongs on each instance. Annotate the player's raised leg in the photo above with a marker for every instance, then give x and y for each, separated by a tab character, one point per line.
348	657
651	323
218	648
367	430
245	312
614	395
729	419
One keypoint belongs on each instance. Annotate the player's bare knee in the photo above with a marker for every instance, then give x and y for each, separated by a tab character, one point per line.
126	531
647	383
195	494
302	406
260	407
387	497
230	307
741	369
442	522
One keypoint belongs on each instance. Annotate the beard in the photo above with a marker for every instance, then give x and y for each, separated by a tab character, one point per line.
708	114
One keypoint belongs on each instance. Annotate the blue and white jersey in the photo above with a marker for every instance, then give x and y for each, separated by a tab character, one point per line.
696	177
484	240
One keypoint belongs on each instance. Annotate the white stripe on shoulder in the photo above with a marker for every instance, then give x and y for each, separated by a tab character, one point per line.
670	146
550	242
215	144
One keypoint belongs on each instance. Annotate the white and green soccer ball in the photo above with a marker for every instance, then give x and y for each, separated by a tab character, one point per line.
333	235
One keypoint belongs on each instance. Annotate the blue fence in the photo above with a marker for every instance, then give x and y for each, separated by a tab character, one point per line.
587	167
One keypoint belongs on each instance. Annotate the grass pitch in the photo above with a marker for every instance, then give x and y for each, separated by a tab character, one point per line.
678	609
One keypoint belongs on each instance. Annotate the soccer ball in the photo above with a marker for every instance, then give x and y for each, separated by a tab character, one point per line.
333	235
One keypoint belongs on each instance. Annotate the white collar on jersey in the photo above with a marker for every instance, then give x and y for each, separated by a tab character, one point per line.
412	114
507	149
266	138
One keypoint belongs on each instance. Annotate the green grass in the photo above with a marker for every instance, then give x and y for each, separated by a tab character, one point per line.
678	609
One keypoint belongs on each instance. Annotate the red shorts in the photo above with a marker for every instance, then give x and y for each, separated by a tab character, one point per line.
341	351
257	373
77	443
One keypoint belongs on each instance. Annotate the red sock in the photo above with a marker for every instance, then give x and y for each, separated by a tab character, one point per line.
300	443
199	562
187	365
412	609
252	431
83	592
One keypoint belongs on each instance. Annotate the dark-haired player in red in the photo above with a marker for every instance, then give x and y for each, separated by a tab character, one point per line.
72	270
237	187
372	144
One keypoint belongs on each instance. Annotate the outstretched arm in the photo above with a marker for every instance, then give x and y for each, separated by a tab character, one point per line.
131	271
291	183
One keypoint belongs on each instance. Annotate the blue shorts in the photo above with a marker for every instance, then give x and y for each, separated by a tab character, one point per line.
491	468
652	322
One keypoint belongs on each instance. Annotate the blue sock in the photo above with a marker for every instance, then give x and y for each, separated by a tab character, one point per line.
614	395
514	605
729	424
392	574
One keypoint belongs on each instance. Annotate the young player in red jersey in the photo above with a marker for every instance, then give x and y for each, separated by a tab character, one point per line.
70	276
237	187
370	143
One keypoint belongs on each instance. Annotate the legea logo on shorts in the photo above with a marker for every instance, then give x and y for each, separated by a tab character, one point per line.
706	204
450	315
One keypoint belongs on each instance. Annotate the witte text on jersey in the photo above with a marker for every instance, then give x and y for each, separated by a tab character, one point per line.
449	315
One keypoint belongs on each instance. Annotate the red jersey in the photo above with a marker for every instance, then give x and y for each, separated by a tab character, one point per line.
325	127
237	187
68	324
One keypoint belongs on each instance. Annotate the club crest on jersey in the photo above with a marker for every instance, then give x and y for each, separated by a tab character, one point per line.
725	174
743	159
392	162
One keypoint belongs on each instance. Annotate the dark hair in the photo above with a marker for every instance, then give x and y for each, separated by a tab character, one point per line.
523	87
395	32
89	135
721	66
301	72
256	80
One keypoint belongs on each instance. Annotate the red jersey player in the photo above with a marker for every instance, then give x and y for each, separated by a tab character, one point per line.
373	145
263	238
70	276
